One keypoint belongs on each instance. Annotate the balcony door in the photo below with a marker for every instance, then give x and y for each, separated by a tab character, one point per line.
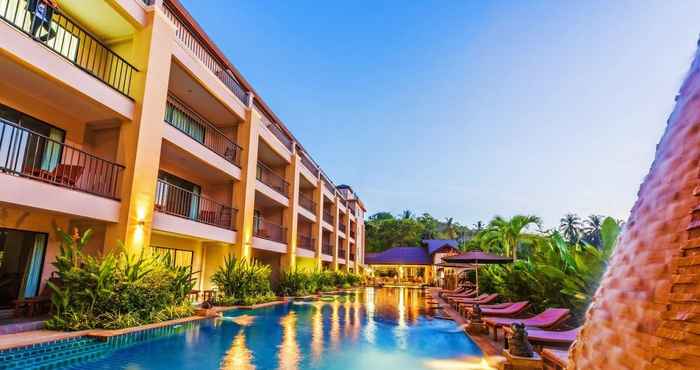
182	198
28	144
21	262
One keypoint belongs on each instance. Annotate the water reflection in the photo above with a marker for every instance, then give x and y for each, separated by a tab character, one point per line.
289	354
335	325
371	326
317	333
238	357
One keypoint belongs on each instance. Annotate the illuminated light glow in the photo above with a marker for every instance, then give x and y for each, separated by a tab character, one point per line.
335	325
468	363
317	333
401	331
289	354
239	356
371	327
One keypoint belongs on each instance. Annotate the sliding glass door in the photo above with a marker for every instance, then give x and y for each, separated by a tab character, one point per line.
21	262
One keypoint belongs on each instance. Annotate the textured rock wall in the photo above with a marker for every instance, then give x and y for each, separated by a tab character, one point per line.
646	313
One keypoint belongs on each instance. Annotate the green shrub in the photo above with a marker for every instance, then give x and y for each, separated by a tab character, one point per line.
242	282
115	291
297	283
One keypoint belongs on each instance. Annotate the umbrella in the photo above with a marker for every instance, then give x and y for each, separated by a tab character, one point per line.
477	258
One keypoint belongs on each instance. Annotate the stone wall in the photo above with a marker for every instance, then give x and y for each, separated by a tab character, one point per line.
646	312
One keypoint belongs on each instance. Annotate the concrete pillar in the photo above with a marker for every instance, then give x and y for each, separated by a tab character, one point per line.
317	228
334	235
140	140
291	214
244	192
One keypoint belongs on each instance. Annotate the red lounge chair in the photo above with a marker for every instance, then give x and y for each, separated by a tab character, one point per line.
480	299
549	318
465	294
564	338
466	310
471	296
513	310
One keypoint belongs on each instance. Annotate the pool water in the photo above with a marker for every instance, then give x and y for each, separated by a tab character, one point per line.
368	329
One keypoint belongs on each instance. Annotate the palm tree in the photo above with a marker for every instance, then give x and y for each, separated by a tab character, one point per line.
450	228
591	229
570	226
478	226
407	214
509	234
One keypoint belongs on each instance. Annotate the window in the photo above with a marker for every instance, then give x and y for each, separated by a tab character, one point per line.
177	257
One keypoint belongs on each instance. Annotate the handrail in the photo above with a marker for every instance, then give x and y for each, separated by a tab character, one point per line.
327	216
307	163
196	127
277	132
176	201
327	249
329	186
342	227
72	42
307	203
204	53
269	230
29	154
273	180
306	242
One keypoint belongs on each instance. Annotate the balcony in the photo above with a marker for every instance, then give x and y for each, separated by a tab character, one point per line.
73	43
268	230
191	39
176	201
265	175
343	202
352	256
306	242
352	233
277	131
178	115
307	203
309	165
28	154
327	249
327	216
341	253
329	186
342	227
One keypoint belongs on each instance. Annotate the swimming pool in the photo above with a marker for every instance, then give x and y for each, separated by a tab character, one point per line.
366	329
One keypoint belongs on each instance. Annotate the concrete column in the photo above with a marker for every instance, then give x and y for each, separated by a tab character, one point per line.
317	228
140	139
291	214
244	192
346	241
334	236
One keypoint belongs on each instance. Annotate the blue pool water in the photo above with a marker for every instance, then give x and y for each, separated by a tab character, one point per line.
368	329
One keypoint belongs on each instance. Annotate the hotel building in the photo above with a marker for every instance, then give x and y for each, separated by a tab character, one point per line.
122	116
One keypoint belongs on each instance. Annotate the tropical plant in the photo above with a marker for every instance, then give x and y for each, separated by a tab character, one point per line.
570	226
591	229
297	283
116	290
506	235
243	282
556	274
450	228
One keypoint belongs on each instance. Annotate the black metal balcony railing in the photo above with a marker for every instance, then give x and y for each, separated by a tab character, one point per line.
342	227
29	154
271	179
309	165
343	201
180	202
67	39
307	203
198	47
187	121
341	253
268	230
327	249
328	186
306	242
327	216
277	131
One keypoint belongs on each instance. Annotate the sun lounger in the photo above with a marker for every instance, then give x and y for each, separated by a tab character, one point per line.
513	310
466	310
541	338
547	319
458	303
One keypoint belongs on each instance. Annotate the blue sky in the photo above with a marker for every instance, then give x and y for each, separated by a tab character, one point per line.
464	108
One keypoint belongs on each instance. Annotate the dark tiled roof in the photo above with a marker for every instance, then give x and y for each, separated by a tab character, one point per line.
435	244
399	256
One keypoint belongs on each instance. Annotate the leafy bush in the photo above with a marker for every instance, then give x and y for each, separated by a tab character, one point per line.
297	283
555	274
115	291
242	282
